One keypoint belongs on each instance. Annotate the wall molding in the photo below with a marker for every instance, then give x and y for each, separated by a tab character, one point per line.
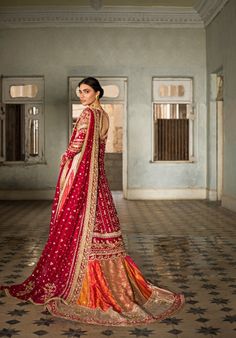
120	16
131	194
208	9
199	16
165	194
203	12
211	194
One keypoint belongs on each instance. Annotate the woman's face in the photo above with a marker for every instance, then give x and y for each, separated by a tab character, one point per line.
87	94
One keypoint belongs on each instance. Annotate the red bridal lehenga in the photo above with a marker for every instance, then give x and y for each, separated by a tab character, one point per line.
84	273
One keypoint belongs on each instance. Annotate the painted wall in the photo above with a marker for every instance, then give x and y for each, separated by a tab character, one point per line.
139	54
221	53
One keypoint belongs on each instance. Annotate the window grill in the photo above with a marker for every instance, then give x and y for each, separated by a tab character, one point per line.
22	120
172	120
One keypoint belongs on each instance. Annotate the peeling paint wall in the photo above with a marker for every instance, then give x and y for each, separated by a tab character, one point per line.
139	54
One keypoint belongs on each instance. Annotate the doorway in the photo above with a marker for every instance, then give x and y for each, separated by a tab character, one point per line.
114	102
220	133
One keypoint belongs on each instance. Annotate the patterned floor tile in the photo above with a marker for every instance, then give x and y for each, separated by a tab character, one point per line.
187	246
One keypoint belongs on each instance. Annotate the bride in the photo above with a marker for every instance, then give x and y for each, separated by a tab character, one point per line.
84	273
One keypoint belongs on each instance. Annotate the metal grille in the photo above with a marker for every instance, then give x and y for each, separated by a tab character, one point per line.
171	132
14	128
171	140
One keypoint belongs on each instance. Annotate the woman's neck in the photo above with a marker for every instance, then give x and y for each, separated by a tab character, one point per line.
95	105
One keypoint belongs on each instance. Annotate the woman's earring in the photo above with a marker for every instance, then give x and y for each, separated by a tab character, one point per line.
96	103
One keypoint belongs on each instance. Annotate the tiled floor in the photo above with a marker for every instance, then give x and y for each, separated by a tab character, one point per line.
187	246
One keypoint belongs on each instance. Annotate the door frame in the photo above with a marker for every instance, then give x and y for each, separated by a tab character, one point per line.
217	117
72	79
220	139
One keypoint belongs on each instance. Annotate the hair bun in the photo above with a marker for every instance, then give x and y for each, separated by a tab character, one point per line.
101	90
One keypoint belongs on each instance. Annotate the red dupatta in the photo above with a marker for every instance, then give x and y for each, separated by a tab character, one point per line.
60	270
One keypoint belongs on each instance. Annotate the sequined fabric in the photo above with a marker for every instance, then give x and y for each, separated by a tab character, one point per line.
84	272
71	223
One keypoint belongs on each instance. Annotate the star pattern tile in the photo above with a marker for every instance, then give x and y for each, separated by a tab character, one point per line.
186	246
209	331
9	332
141	332
74	333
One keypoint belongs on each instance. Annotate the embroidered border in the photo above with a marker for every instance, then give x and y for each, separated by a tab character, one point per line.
86	239
65	175
107	235
135	317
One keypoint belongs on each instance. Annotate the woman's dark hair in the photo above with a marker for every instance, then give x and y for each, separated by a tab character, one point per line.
94	83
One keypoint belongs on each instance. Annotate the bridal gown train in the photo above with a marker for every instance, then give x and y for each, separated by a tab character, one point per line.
84	272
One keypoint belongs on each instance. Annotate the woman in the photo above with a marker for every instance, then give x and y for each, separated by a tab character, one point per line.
84	273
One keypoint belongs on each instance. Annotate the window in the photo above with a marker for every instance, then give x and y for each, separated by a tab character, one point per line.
28	91
2	134
22	120
172	119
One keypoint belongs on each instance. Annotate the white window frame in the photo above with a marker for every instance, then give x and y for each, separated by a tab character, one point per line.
2	133
38	102
187	98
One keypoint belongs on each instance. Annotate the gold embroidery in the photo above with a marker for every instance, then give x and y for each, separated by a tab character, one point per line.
49	289
76	160
75	146
89	221
155	309
82	126
29	287
159	305
109	245
107	235
104	251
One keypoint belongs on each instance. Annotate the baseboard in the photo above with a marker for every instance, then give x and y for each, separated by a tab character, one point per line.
27	194
36	194
130	194
165	194
229	202
211	195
